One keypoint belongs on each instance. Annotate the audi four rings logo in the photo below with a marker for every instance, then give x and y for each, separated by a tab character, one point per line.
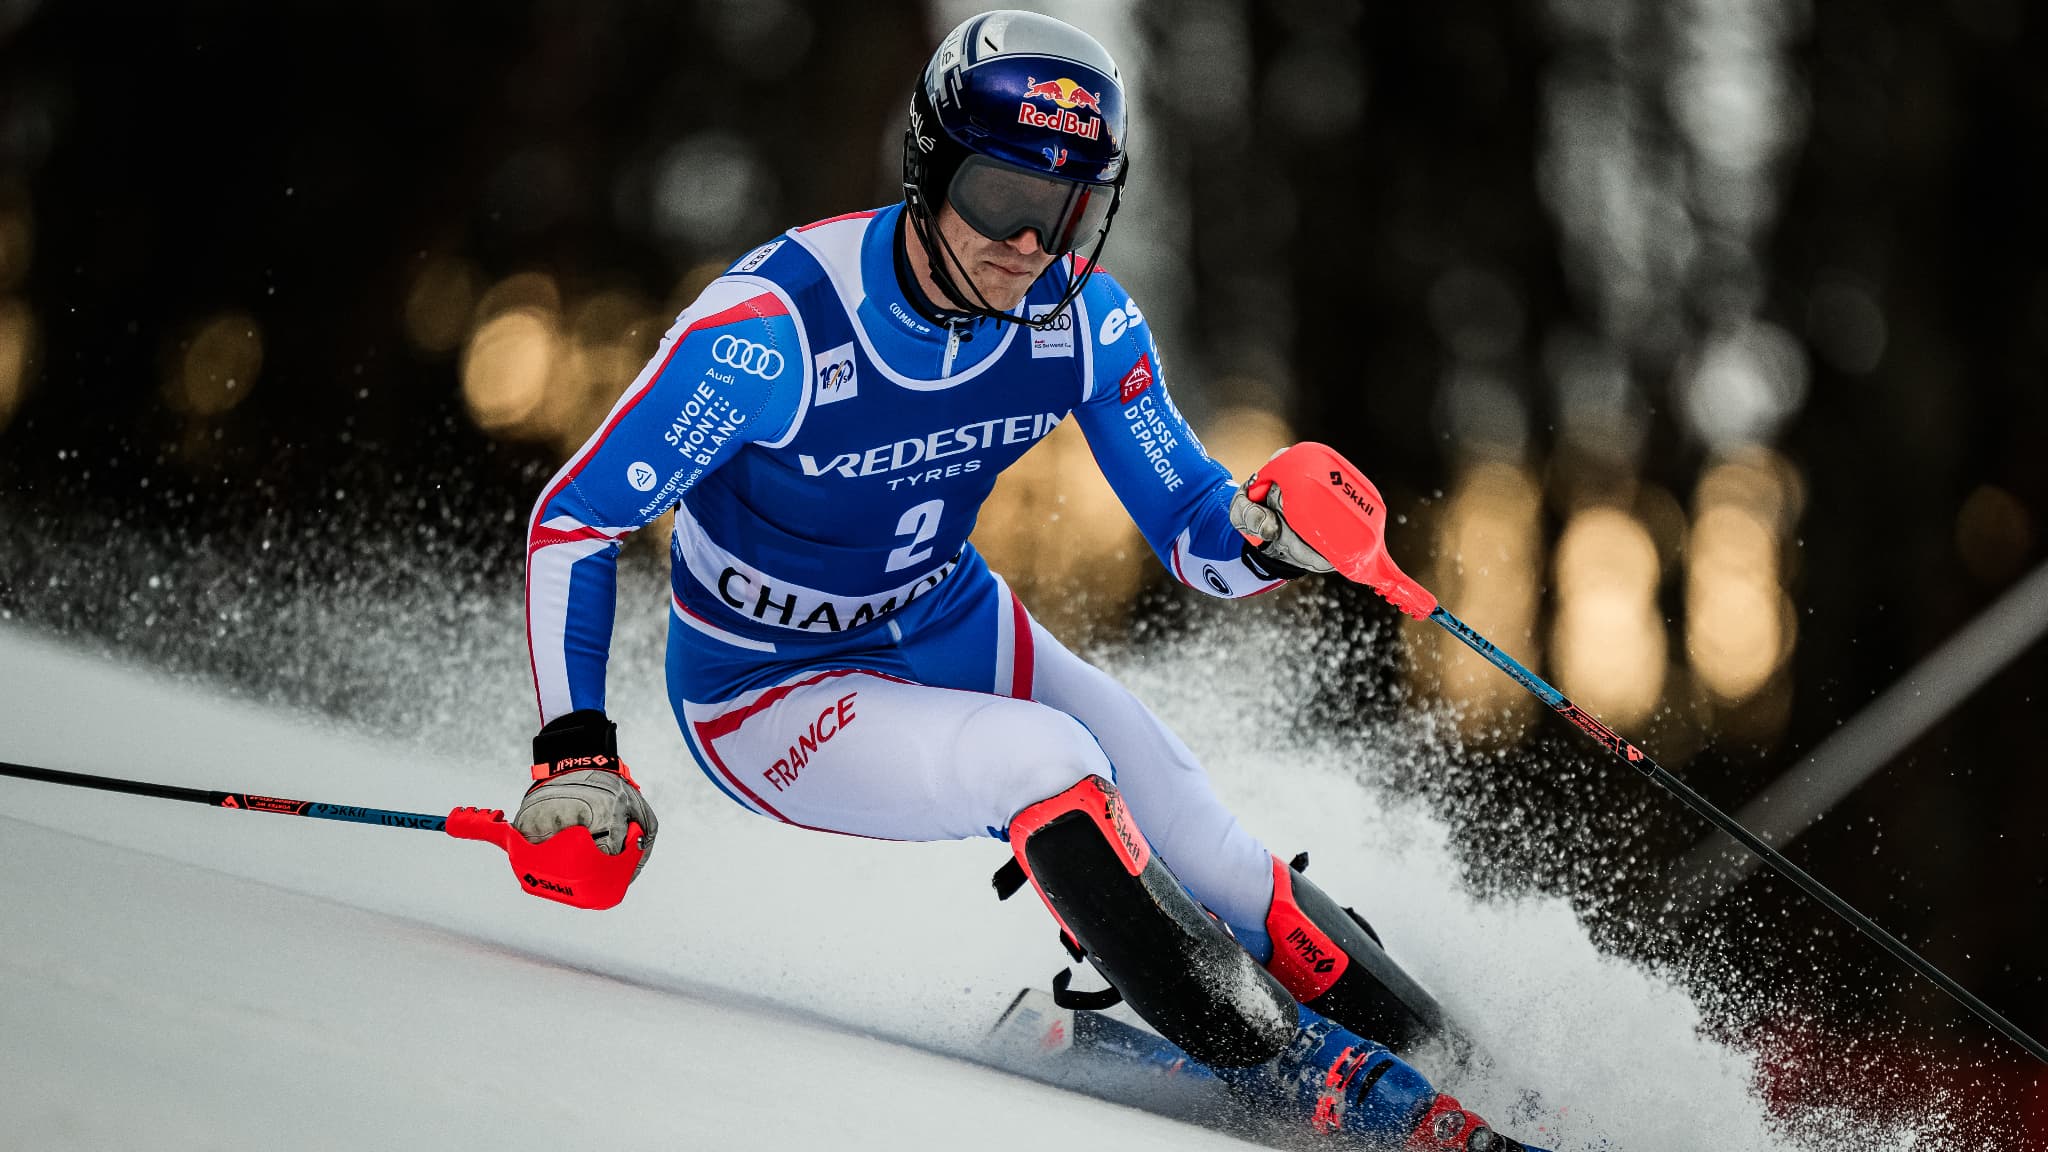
747	356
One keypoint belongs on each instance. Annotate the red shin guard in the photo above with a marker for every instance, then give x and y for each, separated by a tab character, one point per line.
1099	801
1329	961
1171	961
1305	959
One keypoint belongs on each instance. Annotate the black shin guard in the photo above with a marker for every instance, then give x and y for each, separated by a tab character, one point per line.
1328	960
1173	963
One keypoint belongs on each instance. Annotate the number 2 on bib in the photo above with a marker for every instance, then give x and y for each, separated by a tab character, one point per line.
920	523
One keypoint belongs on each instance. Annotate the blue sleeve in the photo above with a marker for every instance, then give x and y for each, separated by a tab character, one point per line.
1174	492
728	373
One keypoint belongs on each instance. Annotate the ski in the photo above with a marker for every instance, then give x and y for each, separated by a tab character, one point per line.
1101	1056
1033	1023
1034	1026
1098	1055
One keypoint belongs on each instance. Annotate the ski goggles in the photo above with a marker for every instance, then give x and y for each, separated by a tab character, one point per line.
999	201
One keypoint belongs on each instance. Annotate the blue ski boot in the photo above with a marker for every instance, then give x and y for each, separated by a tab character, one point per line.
1342	1083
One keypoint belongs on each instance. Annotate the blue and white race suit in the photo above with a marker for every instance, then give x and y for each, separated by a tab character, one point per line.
839	656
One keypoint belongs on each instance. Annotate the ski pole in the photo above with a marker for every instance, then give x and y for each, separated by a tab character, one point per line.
567	867
1341	515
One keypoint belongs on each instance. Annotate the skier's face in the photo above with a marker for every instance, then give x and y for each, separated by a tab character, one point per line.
1001	270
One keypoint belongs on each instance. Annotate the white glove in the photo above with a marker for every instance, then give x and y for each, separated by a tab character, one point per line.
1278	546
602	800
580	781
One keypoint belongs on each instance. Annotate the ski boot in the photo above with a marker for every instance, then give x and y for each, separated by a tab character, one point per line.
1448	1127
1344	1085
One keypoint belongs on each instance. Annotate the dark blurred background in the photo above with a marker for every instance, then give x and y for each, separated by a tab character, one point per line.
1700	347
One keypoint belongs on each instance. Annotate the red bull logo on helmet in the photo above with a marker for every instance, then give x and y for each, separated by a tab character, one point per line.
1060	120
1066	96
1063	92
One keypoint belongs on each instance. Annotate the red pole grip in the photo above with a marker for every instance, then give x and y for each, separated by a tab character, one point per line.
567	867
1333	507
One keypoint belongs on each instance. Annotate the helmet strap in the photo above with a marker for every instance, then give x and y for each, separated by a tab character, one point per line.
938	250
942	259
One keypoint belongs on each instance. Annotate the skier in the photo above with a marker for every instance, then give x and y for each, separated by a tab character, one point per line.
826	420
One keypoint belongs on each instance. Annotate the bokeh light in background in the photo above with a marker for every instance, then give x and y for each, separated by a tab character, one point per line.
1670	127
510	358
1740	627
440	304
1745	383
1994	535
1846	325
17	331
1055	529
1488	561
535	367
1608	633
711	192
512	354
1243	438
214	370
17	246
17	322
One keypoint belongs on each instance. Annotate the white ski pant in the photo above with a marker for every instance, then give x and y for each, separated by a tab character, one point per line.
943	727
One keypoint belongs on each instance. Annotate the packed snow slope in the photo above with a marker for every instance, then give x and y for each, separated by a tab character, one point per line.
183	977
177	976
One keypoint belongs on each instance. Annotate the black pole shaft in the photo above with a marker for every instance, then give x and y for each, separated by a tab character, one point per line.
1843	908
110	784
244	801
1641	761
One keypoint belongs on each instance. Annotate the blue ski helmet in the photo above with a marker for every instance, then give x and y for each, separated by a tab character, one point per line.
1018	122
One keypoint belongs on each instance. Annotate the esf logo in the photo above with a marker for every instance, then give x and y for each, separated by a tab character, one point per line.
747	356
1120	320
837	375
